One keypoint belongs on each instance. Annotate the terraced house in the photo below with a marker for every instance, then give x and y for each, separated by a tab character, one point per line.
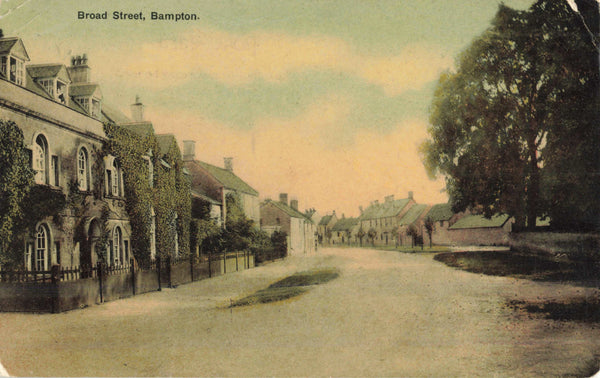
79	212
380	221
78	193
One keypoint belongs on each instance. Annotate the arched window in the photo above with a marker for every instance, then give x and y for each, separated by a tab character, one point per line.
117	251
83	169
40	160
42	243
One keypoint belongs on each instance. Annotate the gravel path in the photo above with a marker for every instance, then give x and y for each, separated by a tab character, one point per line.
388	314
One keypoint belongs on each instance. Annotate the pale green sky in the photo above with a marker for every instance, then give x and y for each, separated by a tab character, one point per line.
325	100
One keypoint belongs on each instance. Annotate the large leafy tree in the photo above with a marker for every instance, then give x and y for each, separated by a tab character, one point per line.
522	100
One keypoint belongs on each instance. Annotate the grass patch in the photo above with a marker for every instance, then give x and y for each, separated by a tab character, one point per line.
416	249
513	264
270	295
289	287
580	310
307	278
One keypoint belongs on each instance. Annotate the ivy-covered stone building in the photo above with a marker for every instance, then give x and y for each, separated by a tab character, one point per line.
105	187
77	211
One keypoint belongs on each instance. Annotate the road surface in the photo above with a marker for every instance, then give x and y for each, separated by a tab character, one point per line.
388	314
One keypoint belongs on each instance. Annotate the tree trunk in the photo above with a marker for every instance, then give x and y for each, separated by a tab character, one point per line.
533	189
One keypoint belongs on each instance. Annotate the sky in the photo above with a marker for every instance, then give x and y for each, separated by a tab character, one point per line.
326	100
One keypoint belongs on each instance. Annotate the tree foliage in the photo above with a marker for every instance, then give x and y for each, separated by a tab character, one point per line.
16	180
517	116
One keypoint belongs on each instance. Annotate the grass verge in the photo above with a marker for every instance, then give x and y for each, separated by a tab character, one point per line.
289	287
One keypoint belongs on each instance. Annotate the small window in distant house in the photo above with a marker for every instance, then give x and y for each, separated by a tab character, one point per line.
83	169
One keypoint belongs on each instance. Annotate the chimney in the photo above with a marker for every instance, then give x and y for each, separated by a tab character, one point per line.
137	110
79	70
189	150
389	198
283	197
410	195
228	163
294	204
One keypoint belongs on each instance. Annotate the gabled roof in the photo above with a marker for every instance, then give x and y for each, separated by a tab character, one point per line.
42	71
325	220
227	178
345	224
14	46
440	212
287	210
165	141
140	128
35	87
412	215
114	115
479	221
197	194
85	89
384	210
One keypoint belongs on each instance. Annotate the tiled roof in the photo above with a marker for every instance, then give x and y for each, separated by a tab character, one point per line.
345	224
325	220
7	45
286	209
227	178
412	214
440	212
479	221
384	210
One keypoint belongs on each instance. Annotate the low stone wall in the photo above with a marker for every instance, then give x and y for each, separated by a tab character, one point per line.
27	297
583	247
77	294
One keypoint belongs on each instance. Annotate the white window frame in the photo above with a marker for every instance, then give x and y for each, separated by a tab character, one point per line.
117	258
42	248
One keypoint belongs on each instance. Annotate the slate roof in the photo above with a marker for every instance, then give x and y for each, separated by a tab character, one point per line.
345	224
227	178
440	212
44	70
287	210
479	221
412	215
197	194
141	128
165	141
113	114
385	209
86	89
6	44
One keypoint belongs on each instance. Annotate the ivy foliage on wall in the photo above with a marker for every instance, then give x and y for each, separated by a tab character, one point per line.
16	180
167	192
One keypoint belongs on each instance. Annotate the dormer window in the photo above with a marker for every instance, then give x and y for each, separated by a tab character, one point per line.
12	60
53	78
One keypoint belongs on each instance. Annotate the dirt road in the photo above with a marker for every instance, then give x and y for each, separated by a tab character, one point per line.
388	314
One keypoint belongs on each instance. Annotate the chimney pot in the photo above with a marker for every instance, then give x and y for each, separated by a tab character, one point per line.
228	163
283	198
189	150
137	110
